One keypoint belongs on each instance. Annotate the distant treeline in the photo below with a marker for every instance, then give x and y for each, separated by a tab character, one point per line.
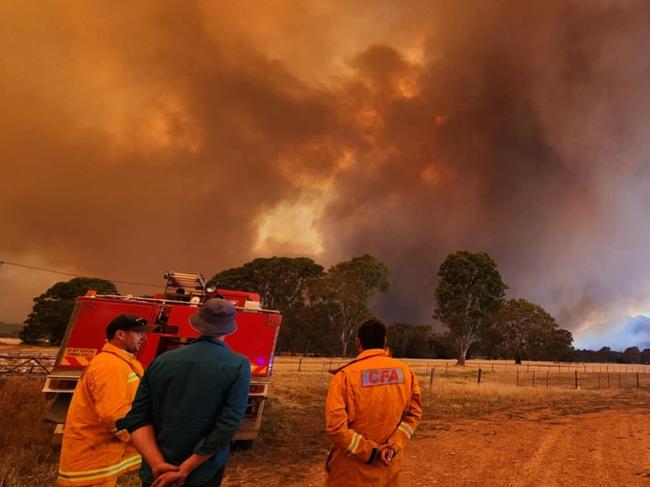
631	355
416	341
420	341
10	330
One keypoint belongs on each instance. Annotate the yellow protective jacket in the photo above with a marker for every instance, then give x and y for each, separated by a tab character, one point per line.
93	451
372	401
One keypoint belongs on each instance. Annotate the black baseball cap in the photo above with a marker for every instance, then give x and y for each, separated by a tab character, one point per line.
127	323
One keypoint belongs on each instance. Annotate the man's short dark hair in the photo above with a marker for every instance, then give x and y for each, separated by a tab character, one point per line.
372	334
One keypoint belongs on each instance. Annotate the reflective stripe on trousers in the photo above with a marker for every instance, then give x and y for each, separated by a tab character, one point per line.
93	477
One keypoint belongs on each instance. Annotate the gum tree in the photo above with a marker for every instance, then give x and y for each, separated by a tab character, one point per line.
52	309
470	292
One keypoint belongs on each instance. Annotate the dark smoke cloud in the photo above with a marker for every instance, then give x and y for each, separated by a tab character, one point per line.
164	135
526	139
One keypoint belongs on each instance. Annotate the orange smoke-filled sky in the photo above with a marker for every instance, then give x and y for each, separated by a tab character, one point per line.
141	137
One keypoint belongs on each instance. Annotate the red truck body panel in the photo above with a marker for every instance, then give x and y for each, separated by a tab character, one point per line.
255	336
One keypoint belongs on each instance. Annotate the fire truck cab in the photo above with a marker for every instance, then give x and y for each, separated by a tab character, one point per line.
255	337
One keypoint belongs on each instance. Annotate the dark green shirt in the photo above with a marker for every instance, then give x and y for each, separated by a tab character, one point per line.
195	398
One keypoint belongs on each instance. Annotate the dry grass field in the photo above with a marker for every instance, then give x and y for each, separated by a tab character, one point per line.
14	345
493	433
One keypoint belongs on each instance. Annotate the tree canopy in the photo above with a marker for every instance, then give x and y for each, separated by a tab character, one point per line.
632	355
469	294
52	309
280	281
526	330
282	284
320	310
413	341
344	294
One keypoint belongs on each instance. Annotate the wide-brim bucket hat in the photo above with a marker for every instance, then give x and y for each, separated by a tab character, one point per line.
215	318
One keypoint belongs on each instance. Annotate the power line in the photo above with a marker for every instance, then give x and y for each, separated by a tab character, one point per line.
43	269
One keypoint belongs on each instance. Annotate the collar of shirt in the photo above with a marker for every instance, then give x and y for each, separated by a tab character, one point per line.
216	341
366	354
371	352
123	354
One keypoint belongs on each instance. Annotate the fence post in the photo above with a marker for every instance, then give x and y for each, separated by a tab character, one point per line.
637	381
547	374
300	365
446	366
527	367
433	372
598	380
493	367
576	376
517	377
619	380
533	378
585	368
607	380
479	375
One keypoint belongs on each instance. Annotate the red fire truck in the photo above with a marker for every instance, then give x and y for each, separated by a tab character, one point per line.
256	335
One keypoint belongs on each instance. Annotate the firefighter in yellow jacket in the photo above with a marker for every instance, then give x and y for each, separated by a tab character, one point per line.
93	451
372	409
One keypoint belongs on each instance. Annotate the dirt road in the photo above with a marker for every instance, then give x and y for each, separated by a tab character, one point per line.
539	448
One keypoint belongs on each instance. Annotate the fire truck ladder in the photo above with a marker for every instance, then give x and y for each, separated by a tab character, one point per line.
183	287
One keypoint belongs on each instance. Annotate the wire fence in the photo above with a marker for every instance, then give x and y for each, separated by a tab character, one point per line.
26	364
528	374
543	379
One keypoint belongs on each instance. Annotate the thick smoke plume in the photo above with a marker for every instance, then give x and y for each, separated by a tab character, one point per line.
196	136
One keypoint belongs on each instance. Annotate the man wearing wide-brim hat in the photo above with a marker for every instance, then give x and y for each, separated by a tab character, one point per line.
190	403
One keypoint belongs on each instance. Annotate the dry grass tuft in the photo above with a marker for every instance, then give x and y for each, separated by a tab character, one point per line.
448	400
27	454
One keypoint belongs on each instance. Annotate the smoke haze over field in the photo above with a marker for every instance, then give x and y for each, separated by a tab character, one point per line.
195	136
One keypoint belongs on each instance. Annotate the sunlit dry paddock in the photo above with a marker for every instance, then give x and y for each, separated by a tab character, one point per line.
501	372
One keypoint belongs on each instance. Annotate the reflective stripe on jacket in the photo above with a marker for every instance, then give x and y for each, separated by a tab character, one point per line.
93	451
372	401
